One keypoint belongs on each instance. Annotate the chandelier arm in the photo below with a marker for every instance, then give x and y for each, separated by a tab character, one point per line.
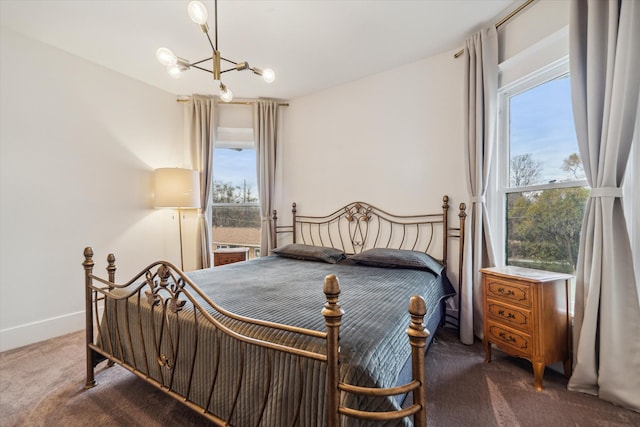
193	64
214	47
200	68
229	61
230	69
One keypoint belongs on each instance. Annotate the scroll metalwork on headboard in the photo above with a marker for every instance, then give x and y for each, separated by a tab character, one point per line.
358	217
359	226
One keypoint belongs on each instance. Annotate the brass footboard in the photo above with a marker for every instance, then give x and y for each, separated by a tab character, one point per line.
163	328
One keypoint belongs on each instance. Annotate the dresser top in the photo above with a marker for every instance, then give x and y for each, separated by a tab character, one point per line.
529	274
230	250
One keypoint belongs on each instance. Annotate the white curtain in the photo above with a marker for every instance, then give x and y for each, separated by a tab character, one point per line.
265	130
480	91
605	81
201	124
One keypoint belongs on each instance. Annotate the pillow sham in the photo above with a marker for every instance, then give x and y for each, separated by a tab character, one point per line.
310	252
398	258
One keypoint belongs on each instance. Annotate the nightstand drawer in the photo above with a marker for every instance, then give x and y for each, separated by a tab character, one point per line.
512	316
502	336
510	292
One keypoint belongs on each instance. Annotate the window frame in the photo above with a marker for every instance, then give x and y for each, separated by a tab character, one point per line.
234	139
502	178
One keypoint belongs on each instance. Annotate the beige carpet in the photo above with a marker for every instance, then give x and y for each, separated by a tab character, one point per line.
42	385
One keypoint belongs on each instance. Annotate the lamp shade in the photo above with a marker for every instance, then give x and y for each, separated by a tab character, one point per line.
176	188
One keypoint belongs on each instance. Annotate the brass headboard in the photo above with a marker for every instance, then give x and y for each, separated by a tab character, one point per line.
359	226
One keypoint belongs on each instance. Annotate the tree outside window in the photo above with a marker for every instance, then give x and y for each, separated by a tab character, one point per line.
542	185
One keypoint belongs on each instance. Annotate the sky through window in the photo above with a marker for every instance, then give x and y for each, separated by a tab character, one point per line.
544	129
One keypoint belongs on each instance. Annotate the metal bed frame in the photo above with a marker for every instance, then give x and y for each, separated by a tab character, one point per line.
166	290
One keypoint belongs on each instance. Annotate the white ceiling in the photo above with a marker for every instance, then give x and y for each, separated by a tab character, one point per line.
311	44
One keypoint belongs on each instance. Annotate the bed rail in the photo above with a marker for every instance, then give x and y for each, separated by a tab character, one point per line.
117	329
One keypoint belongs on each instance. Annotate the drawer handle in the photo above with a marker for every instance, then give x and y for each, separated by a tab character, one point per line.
507	293
507	338
508	316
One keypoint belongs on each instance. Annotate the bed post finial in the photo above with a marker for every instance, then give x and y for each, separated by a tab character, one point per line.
111	267
463	211
88	283
88	257
418	339
332	313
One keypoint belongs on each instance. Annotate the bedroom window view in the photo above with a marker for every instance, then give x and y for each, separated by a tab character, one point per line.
545	189
236	208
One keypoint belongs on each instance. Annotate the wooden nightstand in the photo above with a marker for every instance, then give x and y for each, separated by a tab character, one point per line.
526	314
224	256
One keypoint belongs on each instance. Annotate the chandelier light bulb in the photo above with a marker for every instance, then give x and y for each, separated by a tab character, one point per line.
268	75
166	57
175	71
225	94
197	12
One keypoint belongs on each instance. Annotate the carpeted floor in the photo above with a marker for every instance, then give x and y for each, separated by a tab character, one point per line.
42	385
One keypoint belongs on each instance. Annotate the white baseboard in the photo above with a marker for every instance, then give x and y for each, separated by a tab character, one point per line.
41	330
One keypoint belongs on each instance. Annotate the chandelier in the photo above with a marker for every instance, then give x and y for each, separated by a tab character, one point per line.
176	65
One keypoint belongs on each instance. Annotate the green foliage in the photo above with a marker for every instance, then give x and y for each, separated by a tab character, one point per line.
225	192
544	227
234	216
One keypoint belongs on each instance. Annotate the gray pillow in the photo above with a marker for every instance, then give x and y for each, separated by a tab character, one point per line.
310	252
398	258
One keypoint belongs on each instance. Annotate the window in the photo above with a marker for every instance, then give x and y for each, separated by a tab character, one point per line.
235	203
541	183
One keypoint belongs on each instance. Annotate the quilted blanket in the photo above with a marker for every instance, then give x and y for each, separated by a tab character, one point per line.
255	386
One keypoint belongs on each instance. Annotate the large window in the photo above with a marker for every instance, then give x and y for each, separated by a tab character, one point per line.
236	207
541	184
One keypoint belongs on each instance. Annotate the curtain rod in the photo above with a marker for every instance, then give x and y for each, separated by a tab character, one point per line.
503	21
280	104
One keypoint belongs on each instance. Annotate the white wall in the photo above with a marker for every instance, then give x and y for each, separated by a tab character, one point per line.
392	139
78	146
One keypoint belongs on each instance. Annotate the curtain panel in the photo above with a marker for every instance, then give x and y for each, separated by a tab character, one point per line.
201	124
265	130
604	57
480	104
